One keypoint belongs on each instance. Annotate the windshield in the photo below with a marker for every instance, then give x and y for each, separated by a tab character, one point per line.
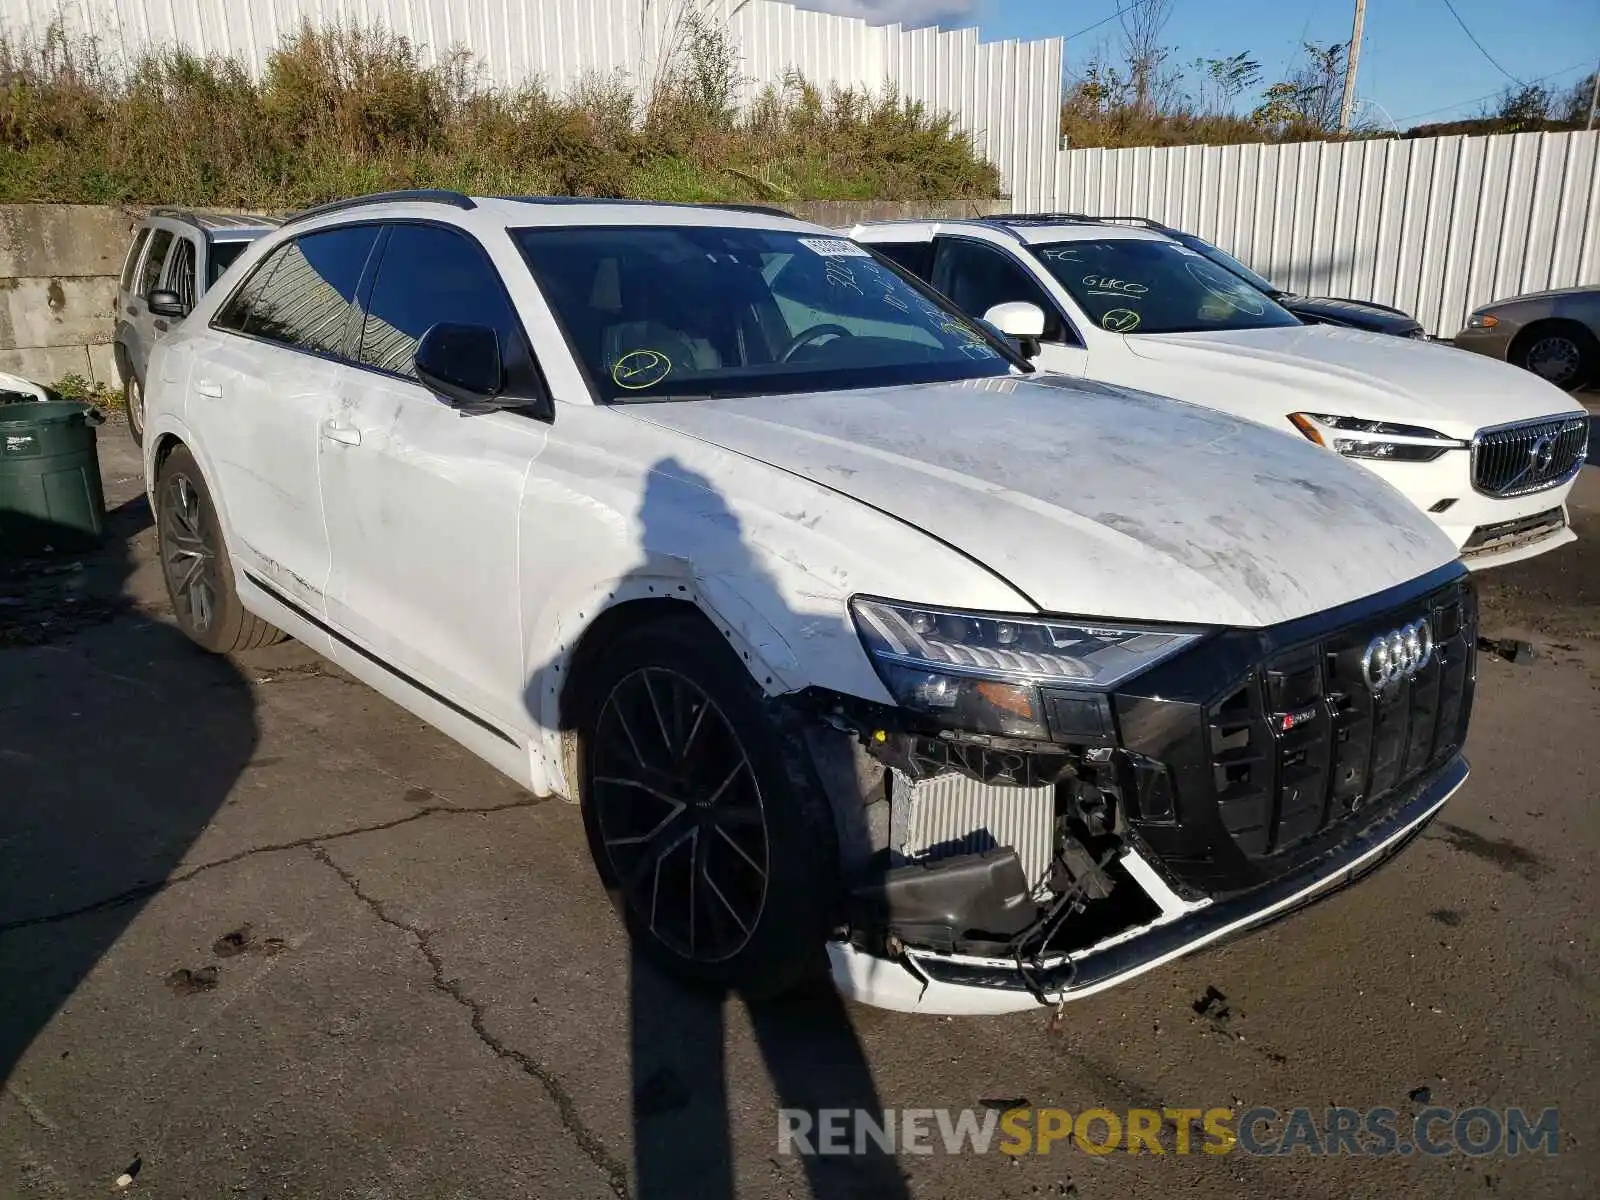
1148	286
1229	263
656	313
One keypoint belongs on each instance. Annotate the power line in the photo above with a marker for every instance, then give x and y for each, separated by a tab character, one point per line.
1479	45
1491	95
1102	21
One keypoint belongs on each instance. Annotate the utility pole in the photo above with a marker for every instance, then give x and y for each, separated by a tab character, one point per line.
1347	106
1594	96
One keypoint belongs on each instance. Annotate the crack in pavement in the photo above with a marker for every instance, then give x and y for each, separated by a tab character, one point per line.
566	1108
145	890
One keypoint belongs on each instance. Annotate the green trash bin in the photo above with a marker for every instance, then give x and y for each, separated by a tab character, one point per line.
50	493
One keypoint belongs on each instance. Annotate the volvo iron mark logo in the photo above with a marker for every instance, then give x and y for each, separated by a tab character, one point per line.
1542	455
1396	655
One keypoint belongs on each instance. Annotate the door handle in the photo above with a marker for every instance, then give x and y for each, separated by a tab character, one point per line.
206	388
162	326
132	310
347	435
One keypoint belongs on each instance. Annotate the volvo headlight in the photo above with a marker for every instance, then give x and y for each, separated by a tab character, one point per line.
1357	438
993	673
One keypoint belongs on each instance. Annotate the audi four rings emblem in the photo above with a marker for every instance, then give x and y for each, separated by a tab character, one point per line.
1396	655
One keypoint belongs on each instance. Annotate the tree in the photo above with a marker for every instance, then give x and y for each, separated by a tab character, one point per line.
1574	107
1228	78
1523	108
1142	23
1308	100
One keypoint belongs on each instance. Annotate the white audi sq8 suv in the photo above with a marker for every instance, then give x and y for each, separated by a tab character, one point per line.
861	645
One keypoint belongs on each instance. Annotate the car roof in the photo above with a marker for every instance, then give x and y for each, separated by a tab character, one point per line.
215	221
1030	229
556	211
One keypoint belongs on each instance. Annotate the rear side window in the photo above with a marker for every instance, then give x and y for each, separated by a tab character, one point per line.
916	257
180	272
132	262
222	256
301	294
428	275
150	273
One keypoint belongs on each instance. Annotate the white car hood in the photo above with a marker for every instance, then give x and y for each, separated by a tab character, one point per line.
1347	372
1094	500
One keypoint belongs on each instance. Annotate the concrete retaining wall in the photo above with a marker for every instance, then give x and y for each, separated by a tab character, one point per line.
59	265
58	280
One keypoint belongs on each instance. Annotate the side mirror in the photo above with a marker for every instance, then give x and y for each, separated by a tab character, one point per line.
166	304
1019	320
461	363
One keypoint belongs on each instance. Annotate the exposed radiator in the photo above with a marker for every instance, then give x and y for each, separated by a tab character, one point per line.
952	814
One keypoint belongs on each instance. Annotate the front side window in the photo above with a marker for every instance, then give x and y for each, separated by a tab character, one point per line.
690	312
978	277
131	264
301	293
430	274
180	272
916	257
154	257
1140	286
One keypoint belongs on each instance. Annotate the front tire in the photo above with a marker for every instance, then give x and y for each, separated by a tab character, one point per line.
704	817
1562	354
195	563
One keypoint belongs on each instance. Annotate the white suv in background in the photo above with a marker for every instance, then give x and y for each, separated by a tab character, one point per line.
856	641
1487	450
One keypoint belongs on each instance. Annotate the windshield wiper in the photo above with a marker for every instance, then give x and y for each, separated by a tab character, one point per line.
679	397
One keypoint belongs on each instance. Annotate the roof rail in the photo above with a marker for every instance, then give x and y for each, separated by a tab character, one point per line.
1147	222
175	214
418	195
765	210
1052	218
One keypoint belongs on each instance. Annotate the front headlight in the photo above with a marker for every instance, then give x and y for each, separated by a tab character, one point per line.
1480	320
985	672
1357	438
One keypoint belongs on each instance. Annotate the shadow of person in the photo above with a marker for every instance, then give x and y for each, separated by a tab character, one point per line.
118	742
683	1143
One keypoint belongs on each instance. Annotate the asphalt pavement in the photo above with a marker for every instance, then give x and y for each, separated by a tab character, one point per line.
263	934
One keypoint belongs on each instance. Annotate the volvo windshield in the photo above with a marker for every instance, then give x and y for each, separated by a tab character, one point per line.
1135	286
658	313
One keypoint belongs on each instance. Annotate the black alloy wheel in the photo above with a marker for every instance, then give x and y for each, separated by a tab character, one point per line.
704	815
680	817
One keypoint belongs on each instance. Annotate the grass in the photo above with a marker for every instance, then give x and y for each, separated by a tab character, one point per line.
341	111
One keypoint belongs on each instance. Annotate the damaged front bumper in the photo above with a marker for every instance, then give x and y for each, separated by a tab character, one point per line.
966	985
1247	776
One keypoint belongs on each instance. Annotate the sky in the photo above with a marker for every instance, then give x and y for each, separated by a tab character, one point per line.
1416	63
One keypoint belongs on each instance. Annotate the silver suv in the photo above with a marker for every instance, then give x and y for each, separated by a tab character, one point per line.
175	256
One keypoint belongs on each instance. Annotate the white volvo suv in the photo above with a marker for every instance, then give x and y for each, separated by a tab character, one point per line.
1488	451
857	643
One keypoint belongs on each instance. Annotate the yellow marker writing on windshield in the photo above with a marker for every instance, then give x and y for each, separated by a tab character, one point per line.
640	369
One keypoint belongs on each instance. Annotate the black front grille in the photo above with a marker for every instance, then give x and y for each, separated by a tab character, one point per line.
1304	742
1517	459
1294	748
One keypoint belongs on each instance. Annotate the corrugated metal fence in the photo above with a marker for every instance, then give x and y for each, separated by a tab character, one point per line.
1436	226
1007	94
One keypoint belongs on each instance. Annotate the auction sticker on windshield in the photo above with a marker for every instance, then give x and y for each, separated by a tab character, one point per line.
834	247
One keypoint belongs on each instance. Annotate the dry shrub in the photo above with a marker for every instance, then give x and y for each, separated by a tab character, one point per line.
340	111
